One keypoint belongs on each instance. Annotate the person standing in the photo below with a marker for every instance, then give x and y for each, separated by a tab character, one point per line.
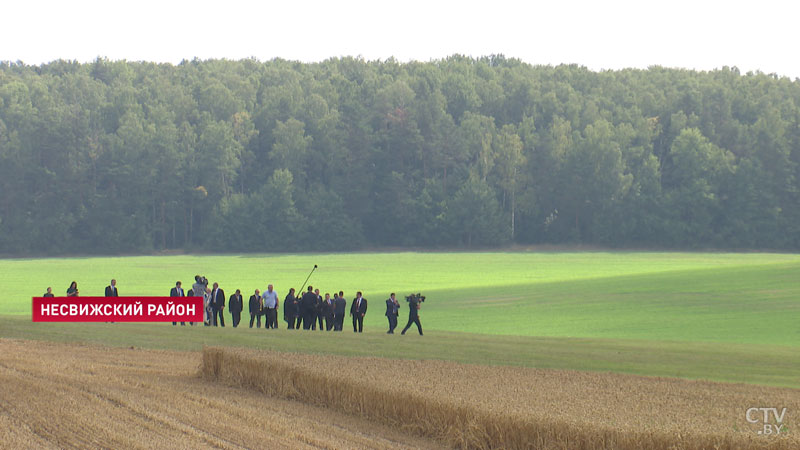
255	308
328	311
218	305
190	293
270	302
177	291
392	308
198	287
235	307
72	290
308	308
358	310
209	306
319	311
111	290
339	308
290	309
199	290
49	293
413	314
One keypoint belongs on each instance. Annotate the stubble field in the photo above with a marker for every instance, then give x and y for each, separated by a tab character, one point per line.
72	396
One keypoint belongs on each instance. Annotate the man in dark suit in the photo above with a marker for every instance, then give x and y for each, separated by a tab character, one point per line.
327	311
255	309
358	309
290	310
235	306
308	308
320	310
217	305
392	308
111	290
177	291
49	293
339	308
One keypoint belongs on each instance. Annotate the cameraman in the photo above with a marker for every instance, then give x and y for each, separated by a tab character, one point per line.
413	312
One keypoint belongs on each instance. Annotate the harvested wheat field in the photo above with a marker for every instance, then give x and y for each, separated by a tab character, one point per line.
71	396
468	406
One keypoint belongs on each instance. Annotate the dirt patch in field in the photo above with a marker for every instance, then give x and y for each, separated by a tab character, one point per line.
70	396
469	406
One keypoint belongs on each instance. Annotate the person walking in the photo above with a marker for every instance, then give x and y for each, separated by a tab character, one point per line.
218	306
111	290
235	307
413	314
72	290
255	308
339	308
208	302
199	288
308	308
270	304
327	310
358	310
290	310
319	310
392	308
177	291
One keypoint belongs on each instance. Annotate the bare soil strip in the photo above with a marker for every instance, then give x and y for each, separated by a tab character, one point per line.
56	395
469	406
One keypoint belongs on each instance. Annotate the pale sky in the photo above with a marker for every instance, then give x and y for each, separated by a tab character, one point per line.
599	34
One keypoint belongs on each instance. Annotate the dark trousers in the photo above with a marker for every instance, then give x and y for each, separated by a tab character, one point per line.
237	317
221	322
254	317
328	322
290	322
182	323
320	319
413	319
271	319
392	322
358	323
338	322
309	317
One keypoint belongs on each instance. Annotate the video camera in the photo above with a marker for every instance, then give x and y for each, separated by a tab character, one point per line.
419	297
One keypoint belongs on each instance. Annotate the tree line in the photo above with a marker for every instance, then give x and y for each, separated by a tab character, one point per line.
219	155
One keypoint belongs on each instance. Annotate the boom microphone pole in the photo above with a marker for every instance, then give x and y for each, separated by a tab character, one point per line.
304	282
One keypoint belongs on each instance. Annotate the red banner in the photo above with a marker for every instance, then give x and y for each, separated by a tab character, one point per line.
117	309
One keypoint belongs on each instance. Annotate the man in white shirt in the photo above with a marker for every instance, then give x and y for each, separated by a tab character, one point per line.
270	298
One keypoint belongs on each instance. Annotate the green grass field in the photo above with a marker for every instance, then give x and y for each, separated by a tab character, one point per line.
721	316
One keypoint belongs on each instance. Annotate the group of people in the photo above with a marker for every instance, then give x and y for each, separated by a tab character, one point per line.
72	290
309	310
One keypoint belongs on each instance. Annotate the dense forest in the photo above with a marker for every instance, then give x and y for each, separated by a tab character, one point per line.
218	155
